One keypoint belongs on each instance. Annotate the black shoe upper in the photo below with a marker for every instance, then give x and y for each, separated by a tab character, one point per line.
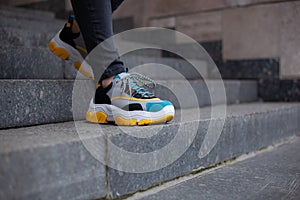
66	33
101	96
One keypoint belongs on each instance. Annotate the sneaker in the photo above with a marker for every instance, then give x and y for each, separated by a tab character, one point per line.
64	46
126	101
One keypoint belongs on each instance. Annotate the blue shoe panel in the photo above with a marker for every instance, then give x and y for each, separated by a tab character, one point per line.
157	106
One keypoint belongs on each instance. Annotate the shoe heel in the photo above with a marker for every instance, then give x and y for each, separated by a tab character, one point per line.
99	117
60	52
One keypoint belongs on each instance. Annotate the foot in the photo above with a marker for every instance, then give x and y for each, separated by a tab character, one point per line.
64	46
126	102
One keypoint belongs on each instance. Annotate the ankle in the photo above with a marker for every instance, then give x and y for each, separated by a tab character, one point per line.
106	82
75	27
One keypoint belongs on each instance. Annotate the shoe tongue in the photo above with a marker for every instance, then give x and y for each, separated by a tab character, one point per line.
121	75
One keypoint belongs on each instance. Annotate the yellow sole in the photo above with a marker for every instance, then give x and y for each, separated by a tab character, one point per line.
101	118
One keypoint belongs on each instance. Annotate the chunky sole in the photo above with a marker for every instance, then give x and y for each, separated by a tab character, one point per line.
105	113
67	52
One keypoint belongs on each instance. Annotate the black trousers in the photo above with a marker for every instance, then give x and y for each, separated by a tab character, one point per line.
94	18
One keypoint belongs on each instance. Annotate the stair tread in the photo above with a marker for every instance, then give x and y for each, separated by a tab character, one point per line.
56	157
17	139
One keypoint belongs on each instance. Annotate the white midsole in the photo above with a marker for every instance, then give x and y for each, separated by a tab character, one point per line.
112	112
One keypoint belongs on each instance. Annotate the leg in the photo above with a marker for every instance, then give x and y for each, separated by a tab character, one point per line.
114	6
95	22
94	19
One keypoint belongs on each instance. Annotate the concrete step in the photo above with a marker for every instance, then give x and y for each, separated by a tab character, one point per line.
22	47
174	68
179	92
22	13
272	174
176	45
34	25
247	128
33	63
14	37
33	102
55	161
152	36
194	52
158	68
166	40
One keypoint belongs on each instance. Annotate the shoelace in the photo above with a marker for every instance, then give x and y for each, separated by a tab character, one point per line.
137	82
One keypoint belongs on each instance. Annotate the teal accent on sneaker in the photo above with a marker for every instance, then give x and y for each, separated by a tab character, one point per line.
121	75
71	18
157	106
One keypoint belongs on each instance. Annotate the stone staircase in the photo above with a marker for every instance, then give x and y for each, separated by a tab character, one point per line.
42	155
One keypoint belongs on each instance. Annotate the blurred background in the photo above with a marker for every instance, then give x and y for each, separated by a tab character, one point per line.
248	39
255	45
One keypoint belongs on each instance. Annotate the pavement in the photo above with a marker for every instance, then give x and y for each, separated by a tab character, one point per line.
271	174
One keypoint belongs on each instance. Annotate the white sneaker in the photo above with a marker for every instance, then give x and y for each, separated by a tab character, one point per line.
127	102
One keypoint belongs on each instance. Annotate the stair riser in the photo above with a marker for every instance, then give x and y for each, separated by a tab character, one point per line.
27	63
33	102
66	171
44	27
20	13
173	69
14	37
167	39
20	60
183	98
152	67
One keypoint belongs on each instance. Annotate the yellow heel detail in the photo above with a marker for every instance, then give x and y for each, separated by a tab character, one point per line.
60	52
99	117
